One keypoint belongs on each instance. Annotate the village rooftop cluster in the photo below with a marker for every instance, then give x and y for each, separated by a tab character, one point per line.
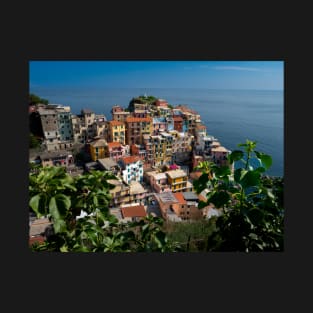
151	147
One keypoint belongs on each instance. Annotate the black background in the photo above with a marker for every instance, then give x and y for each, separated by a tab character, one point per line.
254	282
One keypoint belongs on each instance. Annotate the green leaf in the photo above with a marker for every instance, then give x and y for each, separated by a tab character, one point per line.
235	156
160	238
59	226
265	159
239	174
260	169
253	236
38	204
222	171
64	248
256	216
201	183
249	179
219	199
59	206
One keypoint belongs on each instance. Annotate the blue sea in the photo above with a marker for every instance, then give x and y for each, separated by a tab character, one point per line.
232	116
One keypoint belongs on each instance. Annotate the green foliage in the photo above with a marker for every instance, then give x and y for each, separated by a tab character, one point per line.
191	235
33	141
62	198
253	213
34	99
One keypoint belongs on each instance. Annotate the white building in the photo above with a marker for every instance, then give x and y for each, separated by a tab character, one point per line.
132	169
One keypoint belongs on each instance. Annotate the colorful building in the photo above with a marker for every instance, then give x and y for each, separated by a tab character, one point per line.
98	149
177	179
117	131
132	169
115	150
136	128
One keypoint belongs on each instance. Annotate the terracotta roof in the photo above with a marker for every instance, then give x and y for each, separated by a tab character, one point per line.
130	159
116	123
130	119
114	144
180	197
177	119
134	211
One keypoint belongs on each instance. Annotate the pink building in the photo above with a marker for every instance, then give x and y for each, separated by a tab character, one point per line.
219	155
159	183
115	150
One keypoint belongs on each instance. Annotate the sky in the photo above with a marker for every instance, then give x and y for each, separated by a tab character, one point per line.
258	75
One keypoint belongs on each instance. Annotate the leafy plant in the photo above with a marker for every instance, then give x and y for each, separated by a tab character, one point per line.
62	198
253	214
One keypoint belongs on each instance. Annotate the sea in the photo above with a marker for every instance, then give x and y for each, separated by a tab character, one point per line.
232	116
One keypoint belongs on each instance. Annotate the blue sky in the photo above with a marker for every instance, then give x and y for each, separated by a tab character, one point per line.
158	74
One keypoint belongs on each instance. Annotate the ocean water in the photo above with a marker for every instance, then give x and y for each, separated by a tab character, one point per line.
232	116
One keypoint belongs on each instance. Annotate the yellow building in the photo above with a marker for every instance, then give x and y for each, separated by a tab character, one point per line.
97	149
177	179
117	132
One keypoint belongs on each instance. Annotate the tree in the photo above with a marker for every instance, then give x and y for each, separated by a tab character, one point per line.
34	99
253	213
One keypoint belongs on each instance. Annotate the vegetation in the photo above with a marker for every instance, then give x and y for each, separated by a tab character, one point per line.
62	198
34	99
34	142
191	235
141	99
253	218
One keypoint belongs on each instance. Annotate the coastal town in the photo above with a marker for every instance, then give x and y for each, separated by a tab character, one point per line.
152	148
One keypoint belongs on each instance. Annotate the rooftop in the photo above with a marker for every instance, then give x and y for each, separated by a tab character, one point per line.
116	123
107	163
219	149
159	176
53	154
134	211
180	197
130	159
190	196
176	173
136	188
166	197
114	144
98	143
